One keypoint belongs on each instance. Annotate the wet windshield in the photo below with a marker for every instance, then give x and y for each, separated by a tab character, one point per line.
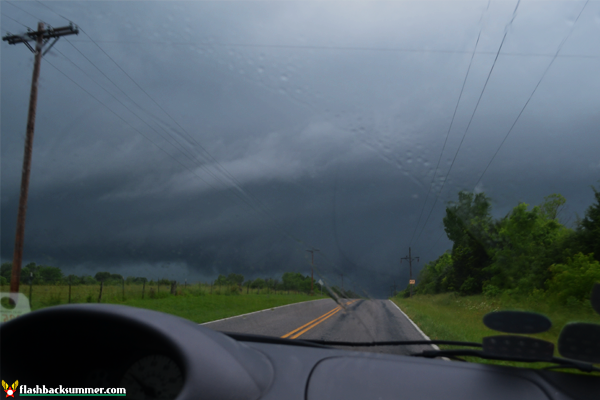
213	159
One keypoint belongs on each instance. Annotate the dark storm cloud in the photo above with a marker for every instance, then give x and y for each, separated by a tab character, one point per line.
328	128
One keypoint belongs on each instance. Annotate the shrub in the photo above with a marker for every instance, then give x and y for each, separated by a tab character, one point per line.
574	280
490	290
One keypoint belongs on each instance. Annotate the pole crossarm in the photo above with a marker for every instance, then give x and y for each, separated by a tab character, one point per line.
46	35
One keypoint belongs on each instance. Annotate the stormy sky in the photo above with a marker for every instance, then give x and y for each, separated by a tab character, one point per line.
188	139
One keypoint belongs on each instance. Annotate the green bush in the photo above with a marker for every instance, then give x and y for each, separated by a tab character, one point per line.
490	290
573	281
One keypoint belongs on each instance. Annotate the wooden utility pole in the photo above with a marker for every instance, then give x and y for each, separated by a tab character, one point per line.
312	268
410	259
41	37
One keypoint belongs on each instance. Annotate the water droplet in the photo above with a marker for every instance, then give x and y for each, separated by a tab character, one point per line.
260	70
284	78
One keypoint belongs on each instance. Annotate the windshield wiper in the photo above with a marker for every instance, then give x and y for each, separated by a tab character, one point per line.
246	337
395	343
562	362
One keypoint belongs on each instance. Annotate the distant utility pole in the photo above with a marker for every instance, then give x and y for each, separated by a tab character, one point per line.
41	38
312	267
410	260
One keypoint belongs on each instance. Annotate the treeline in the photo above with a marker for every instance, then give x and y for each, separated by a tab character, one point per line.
289	281
48	275
528	252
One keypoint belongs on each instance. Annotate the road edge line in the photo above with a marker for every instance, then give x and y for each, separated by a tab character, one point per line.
415	325
259	311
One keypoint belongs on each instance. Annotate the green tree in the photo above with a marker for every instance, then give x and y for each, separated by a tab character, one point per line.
235	279
588	231
51	275
526	247
574	279
258	283
102	276
435	277
6	270
222	280
468	224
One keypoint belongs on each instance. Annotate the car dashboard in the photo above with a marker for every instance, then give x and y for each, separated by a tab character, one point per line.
160	356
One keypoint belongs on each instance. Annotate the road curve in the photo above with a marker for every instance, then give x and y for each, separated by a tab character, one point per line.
352	320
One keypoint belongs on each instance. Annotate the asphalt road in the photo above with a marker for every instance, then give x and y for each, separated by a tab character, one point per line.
350	321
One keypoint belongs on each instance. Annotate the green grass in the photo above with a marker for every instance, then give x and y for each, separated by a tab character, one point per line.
451	317
199	303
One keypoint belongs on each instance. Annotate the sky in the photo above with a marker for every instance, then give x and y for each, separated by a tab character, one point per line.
190	139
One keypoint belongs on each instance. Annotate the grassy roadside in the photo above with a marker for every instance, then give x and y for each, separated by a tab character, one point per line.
209	308
451	317
198	303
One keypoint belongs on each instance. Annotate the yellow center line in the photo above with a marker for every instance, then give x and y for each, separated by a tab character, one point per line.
314	322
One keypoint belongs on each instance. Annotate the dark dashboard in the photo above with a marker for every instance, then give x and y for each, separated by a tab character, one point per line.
159	356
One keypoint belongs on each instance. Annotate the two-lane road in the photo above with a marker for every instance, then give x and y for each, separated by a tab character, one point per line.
354	320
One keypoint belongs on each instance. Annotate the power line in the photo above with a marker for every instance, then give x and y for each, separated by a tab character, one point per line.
20	23
533	92
472	115
449	128
315	47
258	207
530	96
26	12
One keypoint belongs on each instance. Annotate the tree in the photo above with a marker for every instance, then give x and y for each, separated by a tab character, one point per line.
258	283
102	276
222	280
588	231
574	279
6	270
235	279
468	224
51	275
470	214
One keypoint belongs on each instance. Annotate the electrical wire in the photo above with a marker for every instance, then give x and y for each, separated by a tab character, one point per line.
472	116
533	92
20	23
450	126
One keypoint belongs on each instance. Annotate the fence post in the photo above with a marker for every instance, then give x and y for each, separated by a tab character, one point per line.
143	289
100	295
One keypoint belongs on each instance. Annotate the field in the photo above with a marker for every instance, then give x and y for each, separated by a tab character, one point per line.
452	317
199	302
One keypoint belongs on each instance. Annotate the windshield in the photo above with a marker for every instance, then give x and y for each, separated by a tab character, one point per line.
215	159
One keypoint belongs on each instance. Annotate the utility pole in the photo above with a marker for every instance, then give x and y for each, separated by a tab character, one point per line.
312	268
41	38
410	259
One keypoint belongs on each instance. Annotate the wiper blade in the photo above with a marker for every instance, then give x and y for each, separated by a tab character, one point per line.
394	343
564	362
246	337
